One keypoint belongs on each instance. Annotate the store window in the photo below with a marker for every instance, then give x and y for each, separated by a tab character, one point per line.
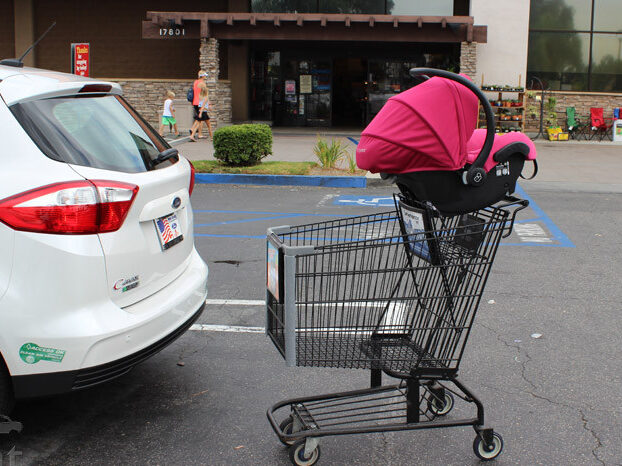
284	6
265	85
576	44
559	59
387	78
607	15
420	7
562	15
390	77
371	7
607	62
290	92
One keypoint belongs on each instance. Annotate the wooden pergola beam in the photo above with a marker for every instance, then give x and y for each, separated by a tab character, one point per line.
462	27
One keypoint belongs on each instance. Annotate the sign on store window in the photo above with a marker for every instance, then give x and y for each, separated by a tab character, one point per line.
305	84
290	87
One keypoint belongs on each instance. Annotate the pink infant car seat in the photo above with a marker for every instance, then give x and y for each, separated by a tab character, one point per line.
426	138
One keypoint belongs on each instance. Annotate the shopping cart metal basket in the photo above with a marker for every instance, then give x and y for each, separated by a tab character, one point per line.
393	292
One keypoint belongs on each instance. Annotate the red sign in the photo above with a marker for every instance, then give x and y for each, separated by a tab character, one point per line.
80	59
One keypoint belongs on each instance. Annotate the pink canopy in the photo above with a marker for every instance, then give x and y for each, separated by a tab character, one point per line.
429	127
424	128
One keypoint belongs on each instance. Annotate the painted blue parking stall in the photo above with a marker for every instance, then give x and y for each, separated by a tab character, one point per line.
536	230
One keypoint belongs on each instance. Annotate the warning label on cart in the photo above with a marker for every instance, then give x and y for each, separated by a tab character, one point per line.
32	353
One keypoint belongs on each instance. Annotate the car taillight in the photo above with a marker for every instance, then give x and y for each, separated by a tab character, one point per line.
191	187
70	208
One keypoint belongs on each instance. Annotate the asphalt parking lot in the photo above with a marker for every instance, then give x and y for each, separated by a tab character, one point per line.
544	354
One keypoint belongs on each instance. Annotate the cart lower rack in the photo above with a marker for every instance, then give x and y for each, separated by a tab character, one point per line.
394	292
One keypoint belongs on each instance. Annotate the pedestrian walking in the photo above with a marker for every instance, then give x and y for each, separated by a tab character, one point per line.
201	113
168	114
196	101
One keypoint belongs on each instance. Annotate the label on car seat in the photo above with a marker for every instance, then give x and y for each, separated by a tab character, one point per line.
503	169
32	353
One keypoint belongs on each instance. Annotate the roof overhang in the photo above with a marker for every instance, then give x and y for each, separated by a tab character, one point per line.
312	26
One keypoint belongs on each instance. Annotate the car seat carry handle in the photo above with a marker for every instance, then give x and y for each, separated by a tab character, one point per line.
475	175
504	154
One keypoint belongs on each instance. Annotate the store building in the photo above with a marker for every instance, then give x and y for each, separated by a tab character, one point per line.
324	62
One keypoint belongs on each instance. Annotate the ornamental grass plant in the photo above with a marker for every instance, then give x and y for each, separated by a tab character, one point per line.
329	154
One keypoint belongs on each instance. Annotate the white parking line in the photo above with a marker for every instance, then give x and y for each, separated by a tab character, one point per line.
393	318
226	328
236	302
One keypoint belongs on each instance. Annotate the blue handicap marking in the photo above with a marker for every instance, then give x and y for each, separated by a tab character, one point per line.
532	227
538	230
246	217
367	201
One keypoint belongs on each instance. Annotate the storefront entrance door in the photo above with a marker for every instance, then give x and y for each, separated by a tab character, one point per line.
335	84
349	92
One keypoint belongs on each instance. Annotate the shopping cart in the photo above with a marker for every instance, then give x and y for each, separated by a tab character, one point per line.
393	292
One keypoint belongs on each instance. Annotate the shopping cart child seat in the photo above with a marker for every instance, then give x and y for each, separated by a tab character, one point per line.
425	137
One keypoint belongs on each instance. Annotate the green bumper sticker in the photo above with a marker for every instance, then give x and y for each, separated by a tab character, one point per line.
31	354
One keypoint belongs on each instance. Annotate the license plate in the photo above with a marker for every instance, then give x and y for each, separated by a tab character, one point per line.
169	231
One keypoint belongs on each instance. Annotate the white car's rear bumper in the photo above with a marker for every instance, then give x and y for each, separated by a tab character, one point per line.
105	341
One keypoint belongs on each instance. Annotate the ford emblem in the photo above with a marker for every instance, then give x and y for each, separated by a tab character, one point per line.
176	202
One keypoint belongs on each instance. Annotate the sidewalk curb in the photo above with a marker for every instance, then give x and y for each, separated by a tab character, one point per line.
282	180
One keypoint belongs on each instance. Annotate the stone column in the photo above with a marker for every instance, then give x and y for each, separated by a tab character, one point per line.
468	59
219	91
208	58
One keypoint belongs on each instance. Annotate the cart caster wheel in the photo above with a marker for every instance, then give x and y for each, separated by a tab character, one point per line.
297	454
488	452
440	407
287	427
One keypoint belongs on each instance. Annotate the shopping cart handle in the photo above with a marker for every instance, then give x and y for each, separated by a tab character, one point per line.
510	201
280	230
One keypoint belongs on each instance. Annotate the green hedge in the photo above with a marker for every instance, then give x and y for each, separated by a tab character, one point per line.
242	145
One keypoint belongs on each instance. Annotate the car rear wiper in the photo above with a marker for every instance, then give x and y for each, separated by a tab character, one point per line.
164	156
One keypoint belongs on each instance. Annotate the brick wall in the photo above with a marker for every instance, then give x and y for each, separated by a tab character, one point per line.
468	59
581	101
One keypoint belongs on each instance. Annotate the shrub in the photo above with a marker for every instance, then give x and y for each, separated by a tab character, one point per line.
329	154
242	145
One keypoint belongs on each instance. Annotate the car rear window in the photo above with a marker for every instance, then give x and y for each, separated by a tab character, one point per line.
95	131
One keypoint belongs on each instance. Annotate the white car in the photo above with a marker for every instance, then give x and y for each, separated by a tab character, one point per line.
98	269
